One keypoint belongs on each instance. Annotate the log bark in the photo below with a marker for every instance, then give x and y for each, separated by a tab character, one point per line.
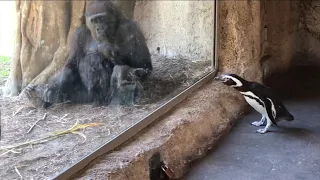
42	39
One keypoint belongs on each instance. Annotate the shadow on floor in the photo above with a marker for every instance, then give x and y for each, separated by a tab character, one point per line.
291	151
296	83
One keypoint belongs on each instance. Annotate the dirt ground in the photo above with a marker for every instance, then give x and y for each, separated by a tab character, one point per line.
42	161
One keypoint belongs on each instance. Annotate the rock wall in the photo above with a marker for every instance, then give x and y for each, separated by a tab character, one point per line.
296	37
177	29
281	24
240	38
308	44
293	34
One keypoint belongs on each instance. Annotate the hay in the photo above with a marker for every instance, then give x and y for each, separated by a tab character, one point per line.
42	160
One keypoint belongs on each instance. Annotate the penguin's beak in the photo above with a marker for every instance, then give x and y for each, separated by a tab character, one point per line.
218	78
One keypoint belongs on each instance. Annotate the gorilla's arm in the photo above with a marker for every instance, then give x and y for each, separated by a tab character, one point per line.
63	86
64	82
133	50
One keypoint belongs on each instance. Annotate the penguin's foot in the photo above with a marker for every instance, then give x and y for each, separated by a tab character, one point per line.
257	123
262	131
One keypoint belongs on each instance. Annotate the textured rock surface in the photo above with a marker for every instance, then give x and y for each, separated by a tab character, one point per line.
308	50
281	19
240	38
187	34
42	36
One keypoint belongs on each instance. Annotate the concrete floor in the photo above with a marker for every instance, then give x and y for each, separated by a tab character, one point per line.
290	152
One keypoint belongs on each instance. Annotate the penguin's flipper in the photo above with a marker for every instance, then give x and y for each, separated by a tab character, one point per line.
271	111
282	112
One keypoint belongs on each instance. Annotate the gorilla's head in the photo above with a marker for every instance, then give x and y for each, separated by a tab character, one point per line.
102	18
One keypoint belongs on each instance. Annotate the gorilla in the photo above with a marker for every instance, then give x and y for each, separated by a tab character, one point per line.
108	57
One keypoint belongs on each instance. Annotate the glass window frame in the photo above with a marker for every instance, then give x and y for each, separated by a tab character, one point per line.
153	116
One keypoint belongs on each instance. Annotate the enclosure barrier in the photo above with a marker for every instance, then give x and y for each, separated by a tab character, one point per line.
153	116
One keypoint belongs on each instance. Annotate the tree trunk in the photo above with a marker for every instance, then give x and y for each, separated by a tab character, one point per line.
42	39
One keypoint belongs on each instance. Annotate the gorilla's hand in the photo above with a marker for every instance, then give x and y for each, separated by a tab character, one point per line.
48	93
141	73
109	51
34	95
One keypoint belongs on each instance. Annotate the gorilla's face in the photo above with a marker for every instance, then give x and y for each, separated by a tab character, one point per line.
102	26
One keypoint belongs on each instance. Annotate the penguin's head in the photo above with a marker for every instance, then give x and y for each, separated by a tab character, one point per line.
231	80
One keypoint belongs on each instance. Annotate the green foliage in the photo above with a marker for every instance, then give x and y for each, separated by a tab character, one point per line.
4	59
4	66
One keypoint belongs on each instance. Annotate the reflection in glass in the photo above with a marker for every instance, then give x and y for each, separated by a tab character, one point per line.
114	73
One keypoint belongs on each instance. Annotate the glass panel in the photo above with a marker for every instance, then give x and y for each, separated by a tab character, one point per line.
84	78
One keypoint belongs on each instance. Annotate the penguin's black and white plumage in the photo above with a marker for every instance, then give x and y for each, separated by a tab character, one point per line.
261	98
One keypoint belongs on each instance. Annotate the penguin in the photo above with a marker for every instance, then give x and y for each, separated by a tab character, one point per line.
259	97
